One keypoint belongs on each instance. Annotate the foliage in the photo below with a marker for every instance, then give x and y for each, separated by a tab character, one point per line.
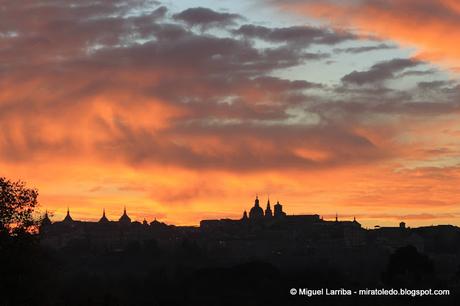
17	204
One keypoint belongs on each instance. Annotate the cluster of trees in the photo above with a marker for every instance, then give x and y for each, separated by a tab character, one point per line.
17	206
23	262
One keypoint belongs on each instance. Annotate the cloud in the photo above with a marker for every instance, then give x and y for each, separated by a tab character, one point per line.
301	36
429	25
205	17
362	49
380	72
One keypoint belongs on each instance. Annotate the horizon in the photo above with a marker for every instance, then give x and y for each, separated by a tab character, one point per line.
182	111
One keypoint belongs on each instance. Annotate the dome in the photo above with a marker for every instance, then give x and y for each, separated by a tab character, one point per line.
256	211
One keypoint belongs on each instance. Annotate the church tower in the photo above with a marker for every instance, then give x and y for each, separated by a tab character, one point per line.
268	210
279	210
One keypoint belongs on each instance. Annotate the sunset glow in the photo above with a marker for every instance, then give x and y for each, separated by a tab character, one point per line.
183	112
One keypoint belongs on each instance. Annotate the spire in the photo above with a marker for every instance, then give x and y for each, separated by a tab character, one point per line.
245	215
125	219
268	210
103	218
336	217
46	220
256	202
68	218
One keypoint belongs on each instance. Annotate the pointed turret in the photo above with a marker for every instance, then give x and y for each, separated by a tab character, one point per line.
46	220
125	219
103	218
68	218
245	216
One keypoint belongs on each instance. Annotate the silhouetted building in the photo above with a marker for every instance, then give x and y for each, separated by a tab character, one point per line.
279	210
259	233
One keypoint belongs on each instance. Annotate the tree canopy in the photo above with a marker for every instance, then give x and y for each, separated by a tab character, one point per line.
17	205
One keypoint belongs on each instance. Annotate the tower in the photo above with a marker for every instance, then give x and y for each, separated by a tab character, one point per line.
245	216
279	210
268	210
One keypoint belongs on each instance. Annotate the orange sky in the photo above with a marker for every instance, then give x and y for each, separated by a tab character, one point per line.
159	112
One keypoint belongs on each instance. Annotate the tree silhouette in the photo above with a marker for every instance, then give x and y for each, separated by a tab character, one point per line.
408	267
17	204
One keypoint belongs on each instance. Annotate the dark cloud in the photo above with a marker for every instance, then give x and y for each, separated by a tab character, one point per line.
380	72
296	35
432	85
241	147
205	17
365	48
417	73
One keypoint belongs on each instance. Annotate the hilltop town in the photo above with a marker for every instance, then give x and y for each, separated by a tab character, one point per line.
261	233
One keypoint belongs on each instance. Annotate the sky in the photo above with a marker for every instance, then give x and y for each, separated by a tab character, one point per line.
186	110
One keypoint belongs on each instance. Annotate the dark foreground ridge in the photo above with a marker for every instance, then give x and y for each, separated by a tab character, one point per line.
256	260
